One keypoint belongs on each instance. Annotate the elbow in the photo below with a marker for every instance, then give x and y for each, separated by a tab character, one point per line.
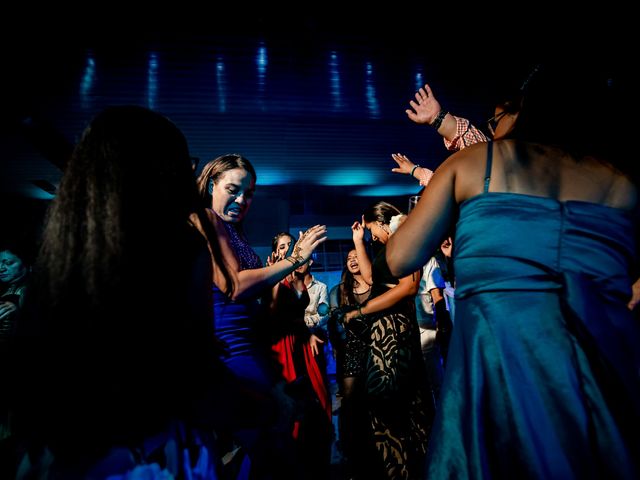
238	295
413	290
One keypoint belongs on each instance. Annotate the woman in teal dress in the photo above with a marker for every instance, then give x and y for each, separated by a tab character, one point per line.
542	378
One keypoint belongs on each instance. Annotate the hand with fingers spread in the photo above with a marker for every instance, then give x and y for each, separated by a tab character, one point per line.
425	109
407	167
307	242
273	258
457	132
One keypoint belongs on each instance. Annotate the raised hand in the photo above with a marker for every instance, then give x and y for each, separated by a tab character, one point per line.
404	164
308	241
425	108
447	247
357	231
272	259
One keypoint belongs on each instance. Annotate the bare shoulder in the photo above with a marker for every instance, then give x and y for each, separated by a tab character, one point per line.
623	193
467	168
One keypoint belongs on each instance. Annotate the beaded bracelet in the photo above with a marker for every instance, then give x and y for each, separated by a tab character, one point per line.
439	118
414	169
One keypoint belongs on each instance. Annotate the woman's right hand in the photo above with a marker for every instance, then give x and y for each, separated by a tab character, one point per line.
357	231
405	165
308	241
425	109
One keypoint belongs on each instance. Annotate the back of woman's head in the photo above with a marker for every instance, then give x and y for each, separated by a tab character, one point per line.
212	171
380	212
124	199
571	105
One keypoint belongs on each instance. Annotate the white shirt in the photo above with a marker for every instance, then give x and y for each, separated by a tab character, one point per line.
318	293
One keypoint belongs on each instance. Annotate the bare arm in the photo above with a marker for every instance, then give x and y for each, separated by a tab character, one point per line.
457	132
249	283
412	245
407	287
436	295
425	109
406	166
357	230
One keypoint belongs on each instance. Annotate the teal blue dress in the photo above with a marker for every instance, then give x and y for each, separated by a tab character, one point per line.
542	379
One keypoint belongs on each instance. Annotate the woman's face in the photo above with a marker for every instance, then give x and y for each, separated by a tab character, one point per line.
232	194
352	263
12	268
379	231
284	242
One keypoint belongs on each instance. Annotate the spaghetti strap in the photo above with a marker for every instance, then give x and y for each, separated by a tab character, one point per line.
487	173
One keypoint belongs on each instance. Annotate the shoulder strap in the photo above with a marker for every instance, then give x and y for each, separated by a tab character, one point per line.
487	173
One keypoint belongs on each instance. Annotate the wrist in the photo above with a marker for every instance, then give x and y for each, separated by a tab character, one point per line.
295	260
414	169
437	122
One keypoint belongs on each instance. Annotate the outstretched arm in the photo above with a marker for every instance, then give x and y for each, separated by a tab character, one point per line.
407	287
426	110
406	166
248	283
357	230
412	245
457	132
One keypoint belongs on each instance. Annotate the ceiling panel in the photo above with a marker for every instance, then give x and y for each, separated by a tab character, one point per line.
318	107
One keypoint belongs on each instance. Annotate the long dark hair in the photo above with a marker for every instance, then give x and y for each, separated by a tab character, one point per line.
121	305
573	106
348	284
125	196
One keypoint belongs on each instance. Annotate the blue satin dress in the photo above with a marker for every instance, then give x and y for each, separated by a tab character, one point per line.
542	379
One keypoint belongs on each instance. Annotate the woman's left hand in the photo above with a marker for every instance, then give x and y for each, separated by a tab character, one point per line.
349	316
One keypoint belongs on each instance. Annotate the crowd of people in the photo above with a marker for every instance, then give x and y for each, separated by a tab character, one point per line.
522	362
